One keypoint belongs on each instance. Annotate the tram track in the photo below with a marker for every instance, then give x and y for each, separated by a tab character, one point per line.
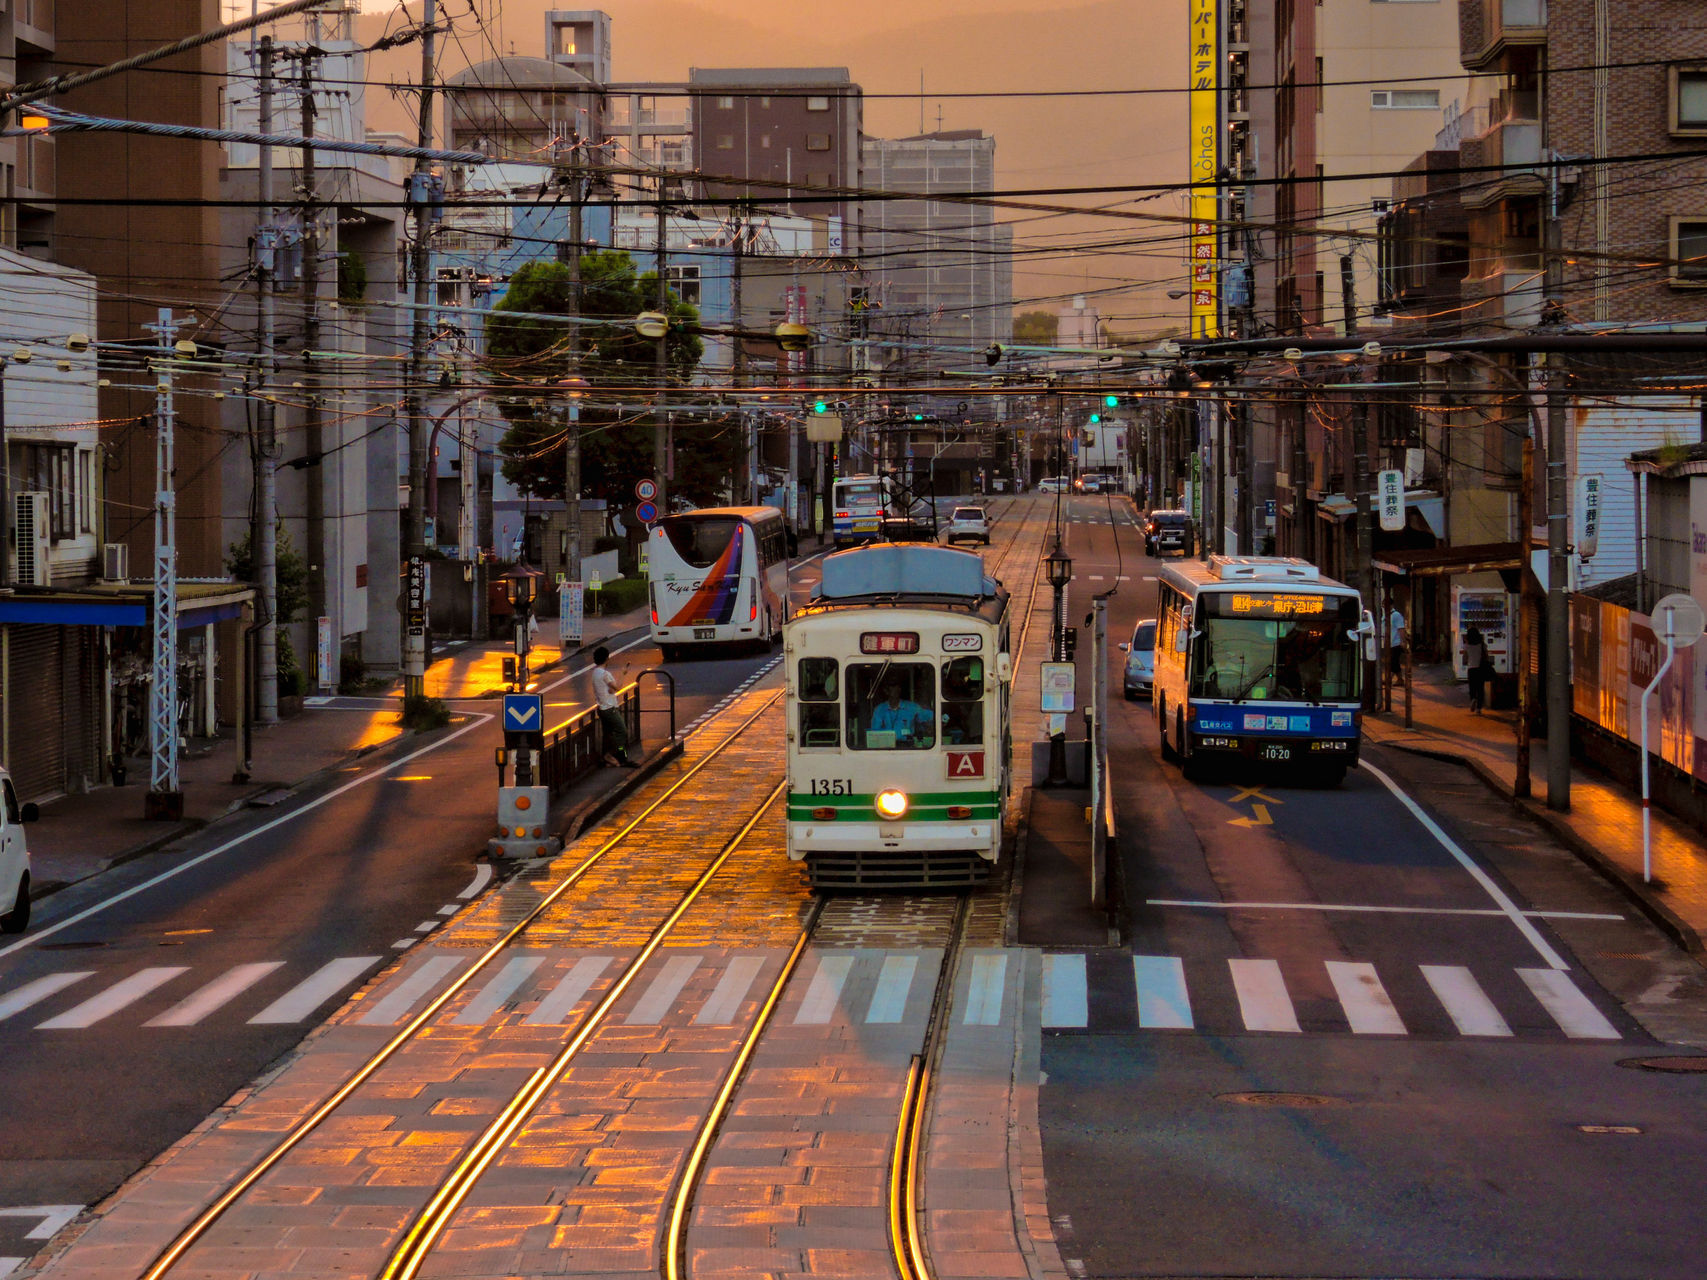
610	894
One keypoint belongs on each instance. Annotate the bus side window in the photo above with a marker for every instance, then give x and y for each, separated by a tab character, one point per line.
820	702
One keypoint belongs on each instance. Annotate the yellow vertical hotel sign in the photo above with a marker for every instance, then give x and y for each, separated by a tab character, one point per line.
1205	164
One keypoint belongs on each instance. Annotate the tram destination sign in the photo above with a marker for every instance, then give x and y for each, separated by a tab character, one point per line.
1276	604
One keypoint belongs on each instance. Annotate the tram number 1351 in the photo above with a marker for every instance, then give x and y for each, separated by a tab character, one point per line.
832	786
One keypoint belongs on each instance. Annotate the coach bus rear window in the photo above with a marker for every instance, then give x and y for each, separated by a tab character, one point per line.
820	704
700	542
1275	647
891	706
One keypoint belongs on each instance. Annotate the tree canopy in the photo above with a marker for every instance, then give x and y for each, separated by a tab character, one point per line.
530	357
1036	328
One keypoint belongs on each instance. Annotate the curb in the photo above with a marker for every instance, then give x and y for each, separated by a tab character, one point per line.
1639	896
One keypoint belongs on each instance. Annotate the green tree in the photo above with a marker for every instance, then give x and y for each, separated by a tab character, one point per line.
1036	328
291	571
529	357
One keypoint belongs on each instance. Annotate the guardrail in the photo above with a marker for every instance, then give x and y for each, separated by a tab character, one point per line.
575	748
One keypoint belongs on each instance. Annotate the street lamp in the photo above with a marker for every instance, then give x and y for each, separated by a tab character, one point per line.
521	586
1059	568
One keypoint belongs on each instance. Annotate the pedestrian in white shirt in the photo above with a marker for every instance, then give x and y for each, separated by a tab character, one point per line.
1396	642
610	710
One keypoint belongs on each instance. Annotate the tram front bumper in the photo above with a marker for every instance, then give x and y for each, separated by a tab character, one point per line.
901	837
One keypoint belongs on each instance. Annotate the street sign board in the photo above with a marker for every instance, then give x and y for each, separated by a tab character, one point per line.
571	614
417	596
524	719
1588	515
646	490
1679	620
1057	690
646	512
1390	488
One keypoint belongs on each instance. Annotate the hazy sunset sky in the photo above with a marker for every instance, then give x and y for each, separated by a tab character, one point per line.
960	46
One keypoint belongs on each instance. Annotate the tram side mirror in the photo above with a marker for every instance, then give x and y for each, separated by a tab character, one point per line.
1182	639
1004	667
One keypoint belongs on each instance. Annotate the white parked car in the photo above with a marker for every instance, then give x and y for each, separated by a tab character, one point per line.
1052	484
14	858
968	524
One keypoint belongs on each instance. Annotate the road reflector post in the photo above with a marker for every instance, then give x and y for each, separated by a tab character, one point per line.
524	816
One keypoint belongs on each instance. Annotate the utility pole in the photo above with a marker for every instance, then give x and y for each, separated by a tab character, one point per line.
263	536
422	198
572	441
1525	631
165	797
314	445
1365	576
661	421
1558	678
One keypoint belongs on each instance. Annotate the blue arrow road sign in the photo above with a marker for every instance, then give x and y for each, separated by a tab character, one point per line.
524	712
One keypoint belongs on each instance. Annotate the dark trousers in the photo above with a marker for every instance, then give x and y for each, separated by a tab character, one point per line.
615	732
1478	687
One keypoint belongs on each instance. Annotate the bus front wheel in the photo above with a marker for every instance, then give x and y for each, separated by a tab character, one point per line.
1162	728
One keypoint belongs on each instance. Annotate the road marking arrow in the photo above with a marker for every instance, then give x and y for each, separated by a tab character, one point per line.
1260	820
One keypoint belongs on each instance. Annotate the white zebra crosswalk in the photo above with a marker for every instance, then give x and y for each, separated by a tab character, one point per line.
1261	999
1090	991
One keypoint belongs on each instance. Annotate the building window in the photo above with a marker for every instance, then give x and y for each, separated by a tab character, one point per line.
764	142
1689	252
51	469
817	104
725	142
726	103
817	142
685	282
1405	99
1689	100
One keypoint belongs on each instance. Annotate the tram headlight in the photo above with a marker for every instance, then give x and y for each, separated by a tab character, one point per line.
891	804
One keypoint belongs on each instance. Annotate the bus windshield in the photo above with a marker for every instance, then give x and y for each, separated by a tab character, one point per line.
699	542
1276	646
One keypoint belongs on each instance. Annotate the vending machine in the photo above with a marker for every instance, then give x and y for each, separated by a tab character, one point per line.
1493	612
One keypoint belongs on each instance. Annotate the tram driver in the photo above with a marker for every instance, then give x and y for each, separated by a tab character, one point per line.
910	723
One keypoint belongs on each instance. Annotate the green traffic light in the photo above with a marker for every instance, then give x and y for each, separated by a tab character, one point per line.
1110	402
1096	417
918	417
819	406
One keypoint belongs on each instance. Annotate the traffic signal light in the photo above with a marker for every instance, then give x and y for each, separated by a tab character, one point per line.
1111	402
1096	417
820	406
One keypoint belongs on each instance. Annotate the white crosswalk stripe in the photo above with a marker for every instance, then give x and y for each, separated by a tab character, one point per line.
1066	998
894	981
1570	1008
824	992
724	1004
1162	997
1367	1005
124	992
1263	1001
1464	1000
660	997
985	990
35	992
493	995
215	995
556	1005
315	990
394	1005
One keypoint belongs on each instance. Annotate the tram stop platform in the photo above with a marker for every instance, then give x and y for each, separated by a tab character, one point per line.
1603	825
79	836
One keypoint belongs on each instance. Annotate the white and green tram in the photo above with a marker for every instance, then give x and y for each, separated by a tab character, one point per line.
898	744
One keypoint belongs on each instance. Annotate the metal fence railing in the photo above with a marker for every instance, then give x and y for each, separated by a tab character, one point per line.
575	748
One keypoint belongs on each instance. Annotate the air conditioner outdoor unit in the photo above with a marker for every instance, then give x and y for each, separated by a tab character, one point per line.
35	568
115	561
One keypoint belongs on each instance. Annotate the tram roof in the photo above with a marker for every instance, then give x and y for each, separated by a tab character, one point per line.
726	513
905	570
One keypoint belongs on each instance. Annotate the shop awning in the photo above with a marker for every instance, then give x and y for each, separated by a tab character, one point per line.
123	604
1434	562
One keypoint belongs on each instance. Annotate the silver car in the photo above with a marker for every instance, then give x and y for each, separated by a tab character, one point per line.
1140	651
14	858
968	524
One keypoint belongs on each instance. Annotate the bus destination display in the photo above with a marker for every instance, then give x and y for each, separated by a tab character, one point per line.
1276	604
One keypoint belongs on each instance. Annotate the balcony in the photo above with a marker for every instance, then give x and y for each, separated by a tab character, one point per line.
1508	142
1511	299
1487	28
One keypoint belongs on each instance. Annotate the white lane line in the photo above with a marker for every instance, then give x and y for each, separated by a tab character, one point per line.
426	926
114	998
482	877
555	1006
408	993
1263	1002
37	991
1368	1007
403	944
314	990
984	991
35	938
1570	1008
731	989
1217	905
661	995
894	982
1464	1000
223	989
1553	959
825	990
450	909
493	995
1066	998
1162	997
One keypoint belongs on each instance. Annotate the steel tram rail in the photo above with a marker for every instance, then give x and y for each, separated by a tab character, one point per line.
187	1239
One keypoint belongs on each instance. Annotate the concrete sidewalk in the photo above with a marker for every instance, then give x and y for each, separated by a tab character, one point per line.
79	836
1604	822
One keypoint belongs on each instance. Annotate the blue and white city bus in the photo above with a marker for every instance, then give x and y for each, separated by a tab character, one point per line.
1259	657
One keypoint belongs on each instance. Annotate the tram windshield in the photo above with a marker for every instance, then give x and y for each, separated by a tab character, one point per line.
891	706
1276	647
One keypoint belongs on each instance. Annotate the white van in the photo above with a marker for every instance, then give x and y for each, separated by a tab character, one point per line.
14	858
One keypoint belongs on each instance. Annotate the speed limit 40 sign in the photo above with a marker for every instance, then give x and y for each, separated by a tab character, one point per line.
646	490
